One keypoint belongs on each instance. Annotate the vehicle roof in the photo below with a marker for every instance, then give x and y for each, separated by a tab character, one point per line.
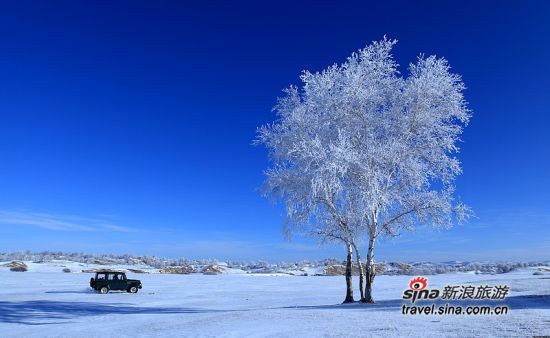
108	271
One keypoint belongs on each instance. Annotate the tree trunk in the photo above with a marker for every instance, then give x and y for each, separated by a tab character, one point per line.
349	288
371	272
361	273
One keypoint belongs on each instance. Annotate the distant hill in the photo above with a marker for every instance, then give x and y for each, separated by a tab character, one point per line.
329	266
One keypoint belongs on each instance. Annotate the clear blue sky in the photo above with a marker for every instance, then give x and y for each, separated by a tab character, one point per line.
126	127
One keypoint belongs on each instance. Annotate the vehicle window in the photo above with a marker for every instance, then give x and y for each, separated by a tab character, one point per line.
111	276
122	276
101	276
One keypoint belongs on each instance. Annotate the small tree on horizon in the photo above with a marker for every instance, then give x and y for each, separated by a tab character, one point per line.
358	151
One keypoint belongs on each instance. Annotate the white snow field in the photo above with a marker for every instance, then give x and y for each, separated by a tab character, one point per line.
55	304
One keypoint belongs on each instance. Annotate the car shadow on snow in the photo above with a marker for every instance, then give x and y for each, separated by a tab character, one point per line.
40	312
87	291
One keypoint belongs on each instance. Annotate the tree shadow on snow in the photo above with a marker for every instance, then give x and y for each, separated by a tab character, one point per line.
42	312
391	304
514	302
528	302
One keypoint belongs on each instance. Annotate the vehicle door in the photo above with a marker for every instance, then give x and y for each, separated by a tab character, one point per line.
101	280
115	282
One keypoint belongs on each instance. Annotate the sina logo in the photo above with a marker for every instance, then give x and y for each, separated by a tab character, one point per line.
417	290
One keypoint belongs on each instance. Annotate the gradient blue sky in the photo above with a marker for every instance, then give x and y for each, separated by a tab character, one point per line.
126	127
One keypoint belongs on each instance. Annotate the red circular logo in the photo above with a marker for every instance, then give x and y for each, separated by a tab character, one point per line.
418	283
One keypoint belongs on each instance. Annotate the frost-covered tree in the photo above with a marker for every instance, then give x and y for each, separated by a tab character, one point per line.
358	151
308	183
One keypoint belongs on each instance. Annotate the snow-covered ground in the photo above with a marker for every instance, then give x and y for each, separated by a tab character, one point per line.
47	302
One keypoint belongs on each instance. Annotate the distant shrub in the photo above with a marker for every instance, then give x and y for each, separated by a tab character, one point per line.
184	270
66	270
18	269
137	271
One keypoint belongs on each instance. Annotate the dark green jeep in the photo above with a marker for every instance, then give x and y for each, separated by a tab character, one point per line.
106	280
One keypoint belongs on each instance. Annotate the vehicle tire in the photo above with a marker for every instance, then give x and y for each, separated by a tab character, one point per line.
104	290
133	289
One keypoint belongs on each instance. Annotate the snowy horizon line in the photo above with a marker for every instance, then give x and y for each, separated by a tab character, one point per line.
60	254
